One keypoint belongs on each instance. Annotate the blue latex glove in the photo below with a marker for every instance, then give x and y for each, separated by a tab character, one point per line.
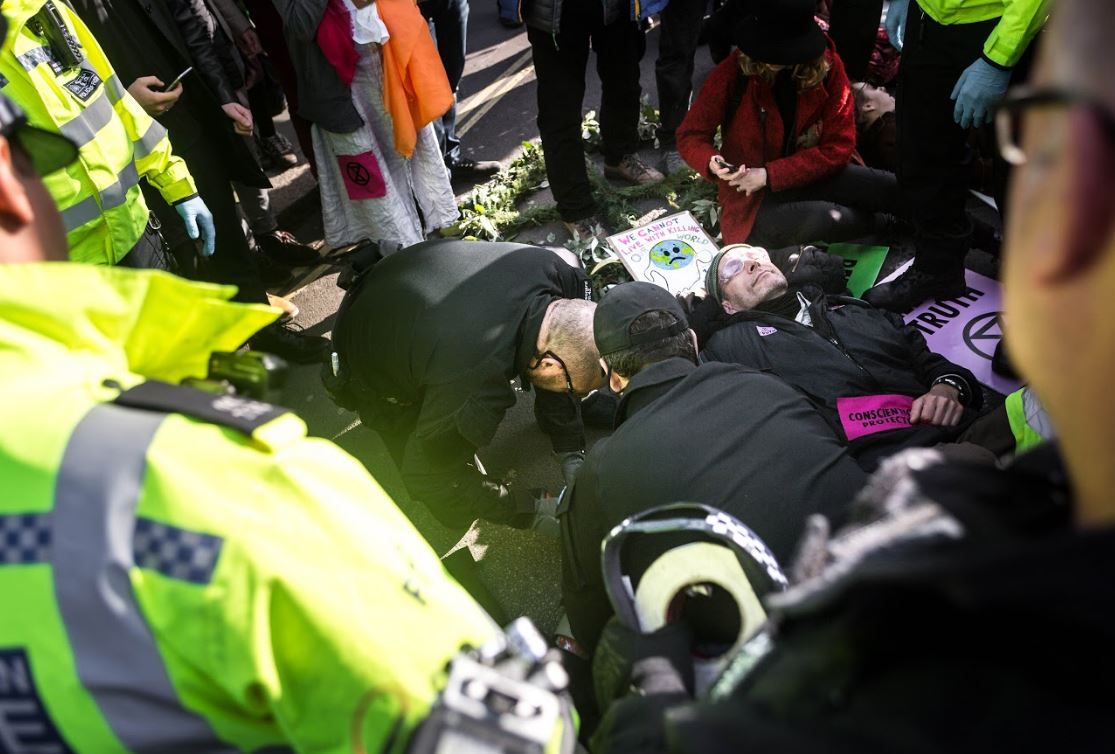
194	213
976	92
896	22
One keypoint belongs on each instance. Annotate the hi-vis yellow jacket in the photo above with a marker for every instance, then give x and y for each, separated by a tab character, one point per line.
1019	21
99	196
169	584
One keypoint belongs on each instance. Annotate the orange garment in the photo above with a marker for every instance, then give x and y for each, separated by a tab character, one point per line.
415	88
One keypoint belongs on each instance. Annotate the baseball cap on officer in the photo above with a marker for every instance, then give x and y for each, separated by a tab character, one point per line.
621	306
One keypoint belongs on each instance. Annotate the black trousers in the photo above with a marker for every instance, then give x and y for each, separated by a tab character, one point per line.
559	62
839	208
931	146
673	71
231	263
853	26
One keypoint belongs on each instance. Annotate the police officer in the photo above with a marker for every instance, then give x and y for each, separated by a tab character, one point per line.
716	433
428	342
181	571
55	70
958	57
967	608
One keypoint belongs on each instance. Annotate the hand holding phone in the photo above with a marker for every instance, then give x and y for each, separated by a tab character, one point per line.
725	164
177	79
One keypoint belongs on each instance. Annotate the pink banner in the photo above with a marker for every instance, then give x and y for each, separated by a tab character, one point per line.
868	414
965	329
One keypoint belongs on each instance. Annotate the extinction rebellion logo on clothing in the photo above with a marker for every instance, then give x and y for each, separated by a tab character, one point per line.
25	727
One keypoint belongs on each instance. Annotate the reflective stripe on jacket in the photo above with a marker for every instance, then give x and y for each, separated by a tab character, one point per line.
99	197
172	585
1019	21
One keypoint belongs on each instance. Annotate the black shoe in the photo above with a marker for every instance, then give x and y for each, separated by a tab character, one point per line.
291	344
280	246
466	169
913	287
277	153
508	23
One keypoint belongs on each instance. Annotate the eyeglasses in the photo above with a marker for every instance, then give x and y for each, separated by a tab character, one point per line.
1009	112
733	265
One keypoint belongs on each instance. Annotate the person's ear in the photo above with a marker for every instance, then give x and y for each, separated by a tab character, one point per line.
615	381
1090	206
15	204
728	307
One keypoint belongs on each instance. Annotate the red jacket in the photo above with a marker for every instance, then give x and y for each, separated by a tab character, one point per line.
825	134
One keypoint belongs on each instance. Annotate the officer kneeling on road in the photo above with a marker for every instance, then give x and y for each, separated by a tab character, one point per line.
428	341
182	571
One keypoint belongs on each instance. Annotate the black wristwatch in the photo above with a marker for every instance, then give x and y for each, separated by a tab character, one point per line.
957	382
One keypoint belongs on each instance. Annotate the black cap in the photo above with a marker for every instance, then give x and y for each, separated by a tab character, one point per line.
780	32
621	306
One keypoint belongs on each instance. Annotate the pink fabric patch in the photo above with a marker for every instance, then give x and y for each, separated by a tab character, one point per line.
868	414
362	176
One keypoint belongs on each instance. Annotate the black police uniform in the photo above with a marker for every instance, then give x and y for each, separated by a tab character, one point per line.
718	434
852	349
430	340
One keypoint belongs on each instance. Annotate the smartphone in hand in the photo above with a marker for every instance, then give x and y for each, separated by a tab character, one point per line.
177	79
726	165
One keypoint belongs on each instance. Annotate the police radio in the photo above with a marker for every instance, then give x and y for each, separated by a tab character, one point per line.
251	374
504	698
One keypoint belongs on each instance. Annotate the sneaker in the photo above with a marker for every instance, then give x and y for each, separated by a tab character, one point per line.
288	307
672	162
292	344
277	153
586	228
466	169
913	287
282	247
632	169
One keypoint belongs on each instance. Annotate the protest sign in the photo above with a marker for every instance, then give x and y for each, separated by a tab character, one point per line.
868	414
673	252
861	264
966	329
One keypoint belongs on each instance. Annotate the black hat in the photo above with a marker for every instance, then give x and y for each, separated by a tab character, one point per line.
780	32
623	305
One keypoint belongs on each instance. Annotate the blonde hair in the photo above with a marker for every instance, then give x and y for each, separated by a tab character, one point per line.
806	75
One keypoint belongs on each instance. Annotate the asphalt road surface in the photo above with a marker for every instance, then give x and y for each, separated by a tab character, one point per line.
496	113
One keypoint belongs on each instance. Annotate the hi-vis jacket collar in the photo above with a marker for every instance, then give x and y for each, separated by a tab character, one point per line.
150	323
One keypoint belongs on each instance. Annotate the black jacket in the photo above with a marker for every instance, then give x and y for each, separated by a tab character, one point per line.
717	434
162	38
976	618
430	340
852	349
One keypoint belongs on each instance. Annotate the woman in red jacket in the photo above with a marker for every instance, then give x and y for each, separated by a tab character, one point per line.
788	117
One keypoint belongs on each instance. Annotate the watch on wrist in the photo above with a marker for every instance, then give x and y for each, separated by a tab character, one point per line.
957	383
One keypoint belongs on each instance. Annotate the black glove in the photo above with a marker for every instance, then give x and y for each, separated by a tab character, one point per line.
816	267
656	663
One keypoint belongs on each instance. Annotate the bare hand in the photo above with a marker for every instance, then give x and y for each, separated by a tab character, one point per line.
755	180
249	43
146	90
716	166
940	407
241	118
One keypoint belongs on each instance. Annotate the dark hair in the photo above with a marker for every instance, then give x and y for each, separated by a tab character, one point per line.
630	361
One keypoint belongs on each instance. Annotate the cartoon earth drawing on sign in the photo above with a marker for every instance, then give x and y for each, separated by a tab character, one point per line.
672	255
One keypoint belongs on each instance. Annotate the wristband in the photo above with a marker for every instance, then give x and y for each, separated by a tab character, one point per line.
958	383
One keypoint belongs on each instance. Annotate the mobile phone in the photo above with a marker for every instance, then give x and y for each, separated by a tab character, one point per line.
726	165
178	79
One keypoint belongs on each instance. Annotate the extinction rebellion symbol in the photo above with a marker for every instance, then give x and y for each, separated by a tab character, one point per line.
983	333
357	173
